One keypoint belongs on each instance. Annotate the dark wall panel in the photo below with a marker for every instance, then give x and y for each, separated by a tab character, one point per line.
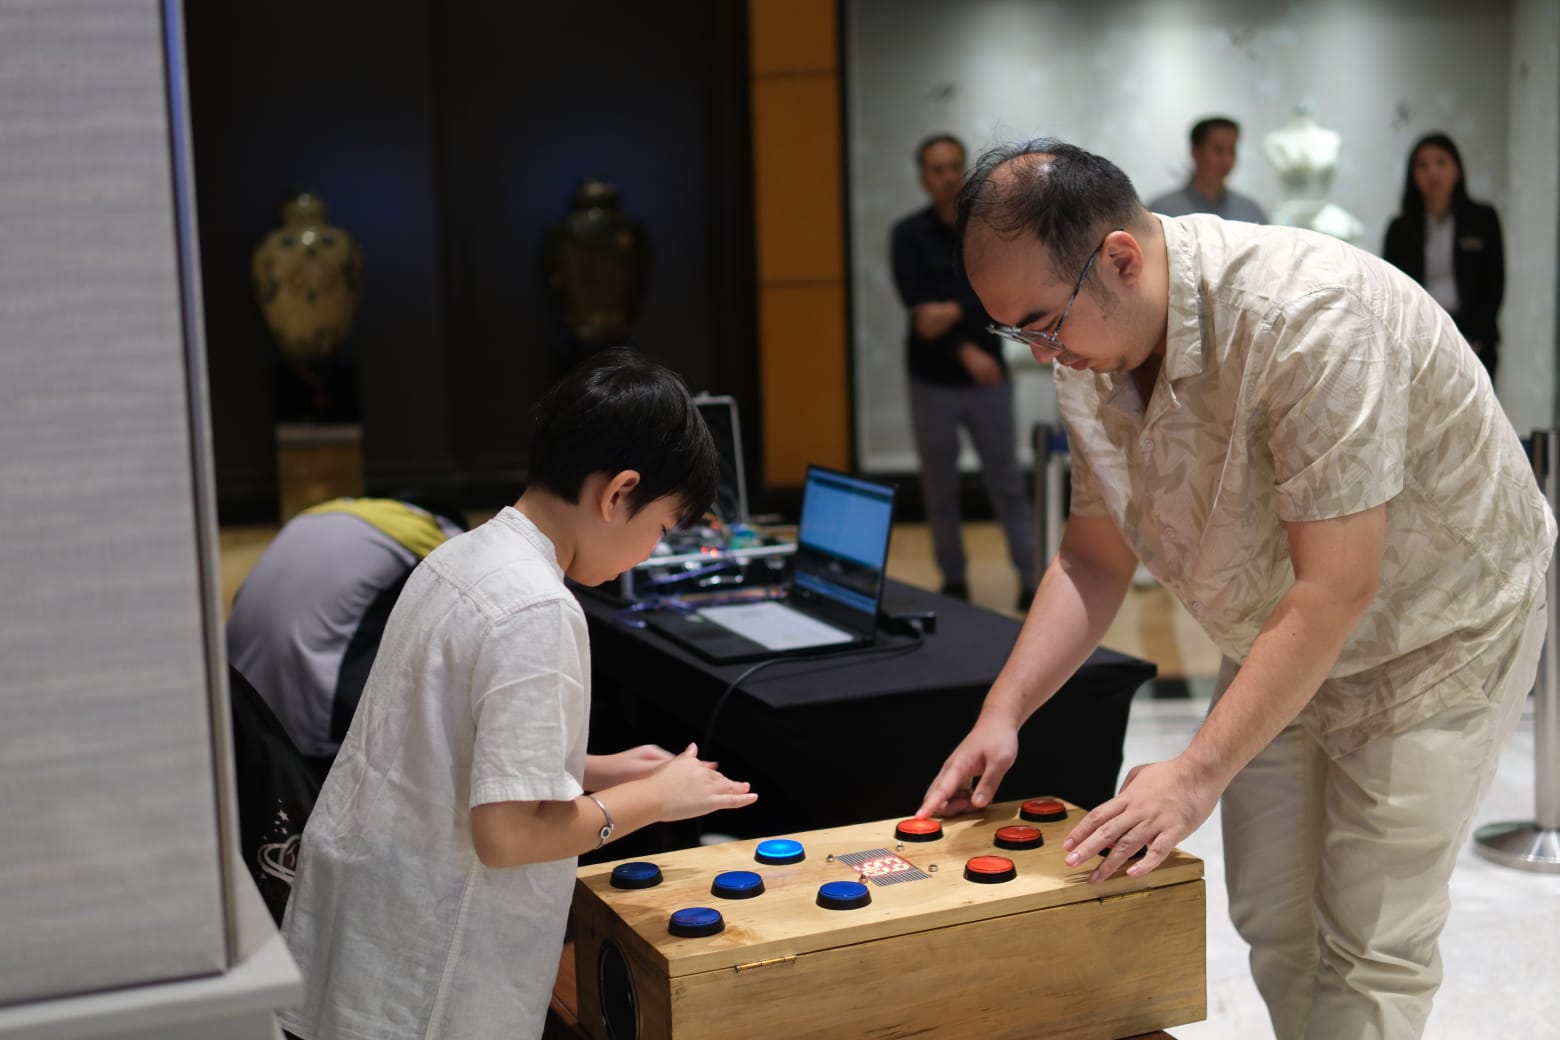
335	98
533	99
447	138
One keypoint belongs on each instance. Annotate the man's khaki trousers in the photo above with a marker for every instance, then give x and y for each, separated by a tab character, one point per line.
1338	870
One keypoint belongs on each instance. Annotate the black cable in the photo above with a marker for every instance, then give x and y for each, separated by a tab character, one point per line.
731	687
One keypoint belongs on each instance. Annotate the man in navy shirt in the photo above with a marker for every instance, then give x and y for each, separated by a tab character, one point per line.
957	376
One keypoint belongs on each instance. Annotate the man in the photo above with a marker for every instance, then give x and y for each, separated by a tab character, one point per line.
957	377
1294	439
1213	157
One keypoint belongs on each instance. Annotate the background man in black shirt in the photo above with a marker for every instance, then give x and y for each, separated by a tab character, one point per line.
957	376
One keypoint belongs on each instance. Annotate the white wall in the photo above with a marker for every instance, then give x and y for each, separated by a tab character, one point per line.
1531	219
1127	78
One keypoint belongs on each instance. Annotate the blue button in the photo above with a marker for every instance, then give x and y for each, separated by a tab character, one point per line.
636	875
694	922
843	895
779	851
737	884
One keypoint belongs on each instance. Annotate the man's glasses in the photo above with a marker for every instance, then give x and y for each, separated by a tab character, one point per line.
1049	340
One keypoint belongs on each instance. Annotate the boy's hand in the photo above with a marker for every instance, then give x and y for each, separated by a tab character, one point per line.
688	787
634	764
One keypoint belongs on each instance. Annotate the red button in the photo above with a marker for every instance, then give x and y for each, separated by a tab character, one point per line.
918	830
1043	810
1019	837
989	870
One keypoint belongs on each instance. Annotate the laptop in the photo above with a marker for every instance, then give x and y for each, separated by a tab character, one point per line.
830	599
720	416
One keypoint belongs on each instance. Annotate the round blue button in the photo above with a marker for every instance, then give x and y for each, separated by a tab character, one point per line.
694	922
779	851
636	875
737	884
843	895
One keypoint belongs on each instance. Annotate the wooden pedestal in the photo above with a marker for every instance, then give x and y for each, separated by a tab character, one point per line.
1043	955
315	462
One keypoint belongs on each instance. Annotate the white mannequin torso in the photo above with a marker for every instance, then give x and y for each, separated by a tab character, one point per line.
1304	155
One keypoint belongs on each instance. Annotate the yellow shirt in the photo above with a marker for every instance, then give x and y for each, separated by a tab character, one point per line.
1305	379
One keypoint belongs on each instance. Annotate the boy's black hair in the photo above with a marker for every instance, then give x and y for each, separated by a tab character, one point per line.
619	410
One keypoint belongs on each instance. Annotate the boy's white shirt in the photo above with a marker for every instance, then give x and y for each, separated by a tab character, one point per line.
480	693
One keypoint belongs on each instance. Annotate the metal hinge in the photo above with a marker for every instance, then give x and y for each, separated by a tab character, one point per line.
1139	894
787	959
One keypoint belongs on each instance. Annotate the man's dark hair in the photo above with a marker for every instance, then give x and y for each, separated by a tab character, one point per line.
936	139
1413	205
1203	127
619	410
1066	197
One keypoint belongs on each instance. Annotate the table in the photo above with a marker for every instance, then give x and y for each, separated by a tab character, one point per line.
827	743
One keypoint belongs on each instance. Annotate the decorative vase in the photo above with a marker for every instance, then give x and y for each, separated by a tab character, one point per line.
597	262
306	277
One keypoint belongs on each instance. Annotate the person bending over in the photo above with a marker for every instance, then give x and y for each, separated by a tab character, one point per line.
1291	435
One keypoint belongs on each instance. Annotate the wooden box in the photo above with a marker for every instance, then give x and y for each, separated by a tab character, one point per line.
1045	954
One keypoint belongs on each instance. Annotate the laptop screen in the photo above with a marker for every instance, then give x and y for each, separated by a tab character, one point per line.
842	542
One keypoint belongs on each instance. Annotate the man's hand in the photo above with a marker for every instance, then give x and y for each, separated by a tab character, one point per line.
1159	805
987	754
933	319
982	367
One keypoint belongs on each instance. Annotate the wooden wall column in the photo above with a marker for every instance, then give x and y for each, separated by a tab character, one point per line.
798	174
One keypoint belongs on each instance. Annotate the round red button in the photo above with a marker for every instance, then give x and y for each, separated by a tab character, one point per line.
989	870
1019	837
918	830
1043	810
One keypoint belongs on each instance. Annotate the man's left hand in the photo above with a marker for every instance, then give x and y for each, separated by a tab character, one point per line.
1160	804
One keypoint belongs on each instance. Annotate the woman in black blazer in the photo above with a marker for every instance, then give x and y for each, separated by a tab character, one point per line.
1450	244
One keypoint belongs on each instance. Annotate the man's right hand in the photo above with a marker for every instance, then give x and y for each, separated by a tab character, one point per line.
933	319
980	761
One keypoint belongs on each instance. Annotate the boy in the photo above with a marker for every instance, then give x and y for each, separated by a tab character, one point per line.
438	864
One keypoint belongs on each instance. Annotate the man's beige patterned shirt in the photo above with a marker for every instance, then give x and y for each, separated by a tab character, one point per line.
1304	379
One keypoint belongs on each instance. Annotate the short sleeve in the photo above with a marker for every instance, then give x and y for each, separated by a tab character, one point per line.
1085	498
1335	394
529	706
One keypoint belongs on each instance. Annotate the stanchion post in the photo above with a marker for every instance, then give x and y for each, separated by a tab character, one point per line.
1055	492
1050	472
1040	436
1535	845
